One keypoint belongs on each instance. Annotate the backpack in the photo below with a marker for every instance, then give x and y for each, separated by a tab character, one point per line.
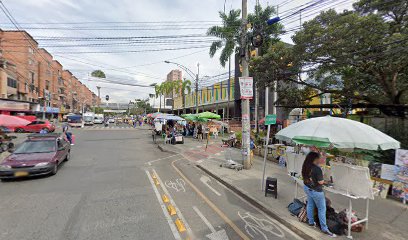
295	207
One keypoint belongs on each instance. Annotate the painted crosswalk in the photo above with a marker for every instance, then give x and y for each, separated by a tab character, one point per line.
102	127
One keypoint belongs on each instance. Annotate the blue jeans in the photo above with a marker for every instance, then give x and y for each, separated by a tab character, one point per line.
316	199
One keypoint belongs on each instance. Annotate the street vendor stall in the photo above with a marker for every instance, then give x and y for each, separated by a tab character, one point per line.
348	180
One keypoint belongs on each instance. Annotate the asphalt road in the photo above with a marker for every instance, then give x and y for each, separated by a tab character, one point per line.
113	187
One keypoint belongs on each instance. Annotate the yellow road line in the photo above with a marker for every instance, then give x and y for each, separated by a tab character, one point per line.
211	204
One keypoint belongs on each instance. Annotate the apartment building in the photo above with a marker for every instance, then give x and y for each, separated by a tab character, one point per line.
31	81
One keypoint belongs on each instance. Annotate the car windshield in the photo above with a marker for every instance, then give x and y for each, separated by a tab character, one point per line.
36	147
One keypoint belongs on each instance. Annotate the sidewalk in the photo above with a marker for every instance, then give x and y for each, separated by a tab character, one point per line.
387	220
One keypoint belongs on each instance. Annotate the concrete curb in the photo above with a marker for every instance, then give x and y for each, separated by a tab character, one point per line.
257	204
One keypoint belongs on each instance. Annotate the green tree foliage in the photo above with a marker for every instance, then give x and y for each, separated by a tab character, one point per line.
98	74
361	54
228	35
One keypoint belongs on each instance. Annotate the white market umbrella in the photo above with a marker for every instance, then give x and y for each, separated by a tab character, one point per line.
337	132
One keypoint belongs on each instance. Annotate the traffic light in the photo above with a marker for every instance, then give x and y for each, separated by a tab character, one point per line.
107	97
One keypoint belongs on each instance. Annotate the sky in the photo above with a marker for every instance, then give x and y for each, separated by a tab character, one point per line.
138	62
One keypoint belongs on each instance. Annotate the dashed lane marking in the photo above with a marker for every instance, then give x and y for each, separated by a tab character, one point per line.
173	229
211	204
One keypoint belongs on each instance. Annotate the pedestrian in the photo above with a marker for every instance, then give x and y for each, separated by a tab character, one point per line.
252	146
44	131
200	132
67	134
313	186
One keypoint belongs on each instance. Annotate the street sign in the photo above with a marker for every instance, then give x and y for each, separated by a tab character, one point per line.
246	87
270	119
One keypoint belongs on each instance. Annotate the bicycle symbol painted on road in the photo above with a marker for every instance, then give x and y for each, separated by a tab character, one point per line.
178	185
256	227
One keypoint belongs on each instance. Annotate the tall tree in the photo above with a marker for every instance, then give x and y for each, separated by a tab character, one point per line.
158	89
228	35
185	87
98	74
361	55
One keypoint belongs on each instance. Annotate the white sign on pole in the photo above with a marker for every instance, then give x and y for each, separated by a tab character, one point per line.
246	87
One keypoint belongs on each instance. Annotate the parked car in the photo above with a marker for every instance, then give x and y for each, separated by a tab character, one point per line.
40	154
36	127
111	120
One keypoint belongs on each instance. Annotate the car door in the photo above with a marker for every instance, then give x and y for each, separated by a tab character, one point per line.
61	149
38	126
30	127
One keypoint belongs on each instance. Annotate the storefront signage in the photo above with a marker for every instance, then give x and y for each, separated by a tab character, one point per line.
270	119
52	110
246	87
16	106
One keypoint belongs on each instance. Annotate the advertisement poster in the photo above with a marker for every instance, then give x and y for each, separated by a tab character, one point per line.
382	188
400	190
401	157
401	174
375	169
388	172
246	87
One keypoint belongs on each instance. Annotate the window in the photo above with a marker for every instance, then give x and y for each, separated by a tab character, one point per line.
30	50
30	62
11	82
32	77
47	85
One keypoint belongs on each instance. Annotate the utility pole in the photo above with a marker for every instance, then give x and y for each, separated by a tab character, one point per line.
228	86
246	125
99	95
196	85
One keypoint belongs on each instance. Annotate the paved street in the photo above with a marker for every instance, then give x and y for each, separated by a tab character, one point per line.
108	190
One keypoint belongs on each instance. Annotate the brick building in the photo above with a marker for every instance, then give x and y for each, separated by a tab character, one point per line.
32	82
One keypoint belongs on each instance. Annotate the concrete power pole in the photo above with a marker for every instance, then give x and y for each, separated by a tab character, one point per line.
246	125
196	85
99	95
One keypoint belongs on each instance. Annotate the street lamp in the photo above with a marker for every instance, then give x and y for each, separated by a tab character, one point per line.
192	74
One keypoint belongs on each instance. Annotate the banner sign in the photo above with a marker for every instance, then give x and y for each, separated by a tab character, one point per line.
246	87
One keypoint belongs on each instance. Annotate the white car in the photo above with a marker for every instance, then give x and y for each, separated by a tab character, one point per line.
111	120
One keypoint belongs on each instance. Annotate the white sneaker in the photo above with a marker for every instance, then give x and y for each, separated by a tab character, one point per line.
72	144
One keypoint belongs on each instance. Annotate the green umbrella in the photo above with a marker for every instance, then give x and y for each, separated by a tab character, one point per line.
312	141
209	115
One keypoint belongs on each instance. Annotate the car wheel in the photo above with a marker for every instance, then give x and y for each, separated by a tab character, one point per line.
19	130
68	156
54	169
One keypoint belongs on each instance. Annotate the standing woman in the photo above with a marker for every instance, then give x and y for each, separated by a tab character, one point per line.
313	180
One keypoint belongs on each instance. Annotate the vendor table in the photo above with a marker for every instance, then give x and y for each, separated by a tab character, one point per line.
350	197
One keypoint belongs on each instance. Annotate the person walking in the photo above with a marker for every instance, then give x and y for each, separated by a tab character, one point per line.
313	186
199	132
67	134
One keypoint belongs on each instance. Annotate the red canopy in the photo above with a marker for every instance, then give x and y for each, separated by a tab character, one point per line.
12	121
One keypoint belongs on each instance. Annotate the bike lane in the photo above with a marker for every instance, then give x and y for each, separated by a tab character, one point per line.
211	210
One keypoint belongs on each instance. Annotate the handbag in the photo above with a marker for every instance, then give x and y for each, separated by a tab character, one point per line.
303	215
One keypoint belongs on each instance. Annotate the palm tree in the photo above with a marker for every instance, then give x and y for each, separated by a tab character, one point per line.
228	35
168	88
185	86
158	89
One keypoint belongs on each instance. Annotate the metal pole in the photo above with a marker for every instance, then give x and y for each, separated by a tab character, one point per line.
246	125
228	86
265	154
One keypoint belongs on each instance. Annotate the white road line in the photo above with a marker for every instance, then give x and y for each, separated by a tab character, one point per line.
261	212
189	231
163	206
152	161
205	179
205	220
